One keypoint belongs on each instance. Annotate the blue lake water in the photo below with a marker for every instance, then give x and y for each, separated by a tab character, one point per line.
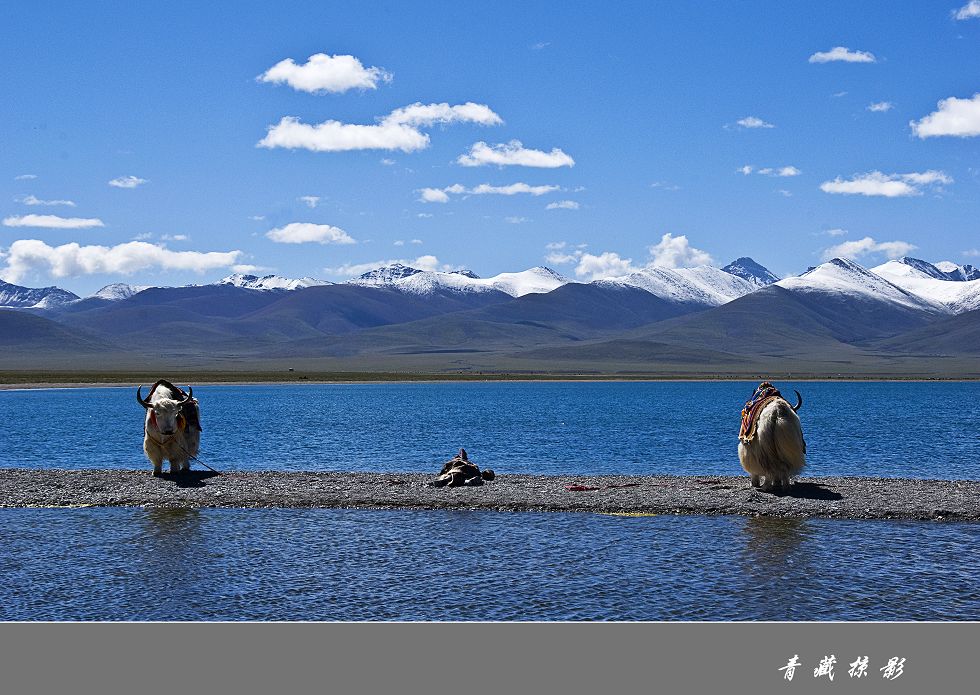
898	429
331	564
335	564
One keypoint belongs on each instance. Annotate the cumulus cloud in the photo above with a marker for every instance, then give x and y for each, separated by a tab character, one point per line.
561	253
868	246
676	252
33	200
970	10
842	54
881	106
399	130
322	73
127	182
52	222
420	263
953	117
562	205
670	252
441	195
307	232
514	153
605	265
310	200
28	256
875	183
25	177
754	122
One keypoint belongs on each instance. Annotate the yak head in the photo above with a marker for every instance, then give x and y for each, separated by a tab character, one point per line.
163	413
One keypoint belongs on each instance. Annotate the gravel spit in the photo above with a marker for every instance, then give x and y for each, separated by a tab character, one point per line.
836	498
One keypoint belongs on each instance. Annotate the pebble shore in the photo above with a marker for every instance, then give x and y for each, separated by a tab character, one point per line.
837	498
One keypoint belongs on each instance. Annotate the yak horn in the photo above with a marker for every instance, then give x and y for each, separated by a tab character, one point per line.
799	401
190	394
139	397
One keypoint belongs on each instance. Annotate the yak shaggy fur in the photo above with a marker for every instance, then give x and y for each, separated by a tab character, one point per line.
778	451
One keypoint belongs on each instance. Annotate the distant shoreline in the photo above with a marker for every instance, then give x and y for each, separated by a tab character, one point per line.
834	498
32	381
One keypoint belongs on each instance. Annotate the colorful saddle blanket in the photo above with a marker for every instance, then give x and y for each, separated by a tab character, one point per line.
765	394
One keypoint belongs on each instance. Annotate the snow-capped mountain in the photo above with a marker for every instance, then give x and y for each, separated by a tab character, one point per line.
845	279
119	290
34	298
748	269
420	282
703	285
270	282
958	272
933	283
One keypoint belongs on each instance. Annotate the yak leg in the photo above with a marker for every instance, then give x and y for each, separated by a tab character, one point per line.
756	480
156	458
174	466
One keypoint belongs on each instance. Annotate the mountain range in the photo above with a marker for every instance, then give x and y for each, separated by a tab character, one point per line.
906	316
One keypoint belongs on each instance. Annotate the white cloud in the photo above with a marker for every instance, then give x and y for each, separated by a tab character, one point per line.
514	153
25	177
27	256
875	183
32	200
433	195
868	246
954	117
399	243
257	218
970	10
770	171
515	220
416	241
441	195
676	252
399	130
881	106
835	232
754	122
562	205
842	54
248	268
52	222
175	237
670	252
388	162
604	265
786	194
127	182
420	263
310	200
838	95
307	232
663	185
539	45
424	215
323	73
972	253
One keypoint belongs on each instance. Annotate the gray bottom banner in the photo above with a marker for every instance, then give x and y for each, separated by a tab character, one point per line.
491	658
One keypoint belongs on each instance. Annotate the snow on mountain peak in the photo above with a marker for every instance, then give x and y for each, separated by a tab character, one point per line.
938	285
748	269
34	298
269	282
841	276
385	275
704	285
119	290
964	272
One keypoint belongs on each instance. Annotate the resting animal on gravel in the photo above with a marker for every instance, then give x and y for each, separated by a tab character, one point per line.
770	441
172	428
461	471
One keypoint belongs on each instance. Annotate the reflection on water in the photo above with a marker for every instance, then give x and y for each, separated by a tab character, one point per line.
323	564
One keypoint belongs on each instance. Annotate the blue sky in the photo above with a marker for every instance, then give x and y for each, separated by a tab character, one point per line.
645	98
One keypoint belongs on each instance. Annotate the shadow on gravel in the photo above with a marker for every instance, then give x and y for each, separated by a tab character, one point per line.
189	478
812	491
